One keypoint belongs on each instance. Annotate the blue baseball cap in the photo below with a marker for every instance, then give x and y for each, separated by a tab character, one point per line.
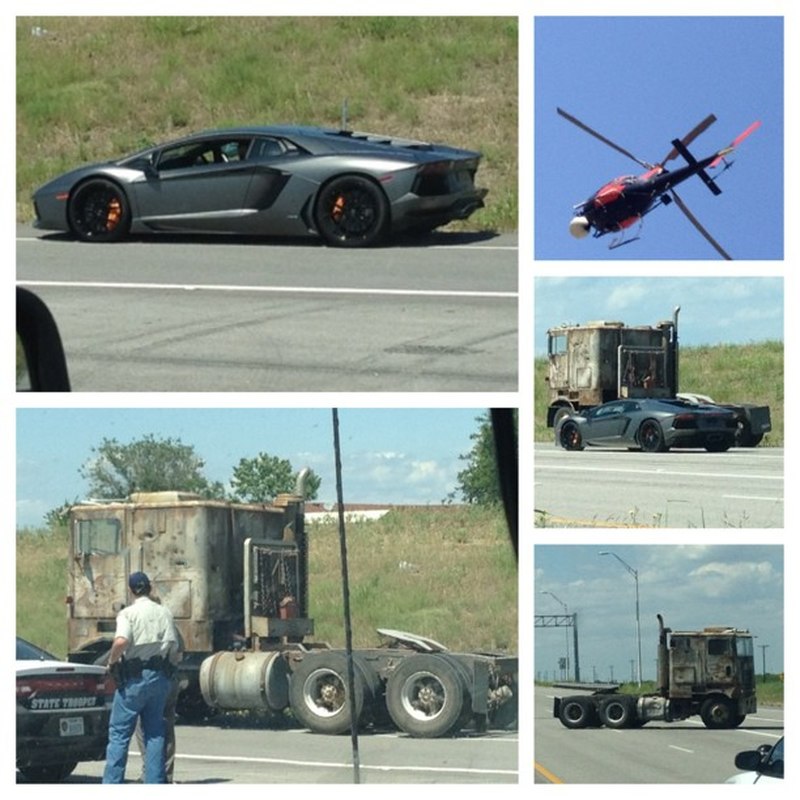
139	583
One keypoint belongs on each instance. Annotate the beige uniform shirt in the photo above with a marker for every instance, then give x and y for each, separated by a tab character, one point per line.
150	630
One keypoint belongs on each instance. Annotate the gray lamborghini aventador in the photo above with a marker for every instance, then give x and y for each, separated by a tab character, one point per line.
352	189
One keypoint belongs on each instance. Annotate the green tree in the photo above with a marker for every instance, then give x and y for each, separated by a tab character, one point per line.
261	479
146	465
479	482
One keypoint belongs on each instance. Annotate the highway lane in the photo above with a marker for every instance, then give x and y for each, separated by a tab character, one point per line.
660	752
742	488
211	754
218	314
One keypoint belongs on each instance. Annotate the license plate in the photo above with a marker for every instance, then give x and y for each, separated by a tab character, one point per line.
71	726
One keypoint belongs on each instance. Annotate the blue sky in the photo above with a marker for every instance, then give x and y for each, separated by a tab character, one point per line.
641	82
388	455
691	586
730	310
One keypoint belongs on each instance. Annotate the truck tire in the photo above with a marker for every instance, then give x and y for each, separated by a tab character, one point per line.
618	711
317	693
427	696
718	713
577	712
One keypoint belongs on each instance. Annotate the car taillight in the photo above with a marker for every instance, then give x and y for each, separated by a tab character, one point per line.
684	421
436	168
60	685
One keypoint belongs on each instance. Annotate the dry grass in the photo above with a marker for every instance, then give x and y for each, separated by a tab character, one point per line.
446	573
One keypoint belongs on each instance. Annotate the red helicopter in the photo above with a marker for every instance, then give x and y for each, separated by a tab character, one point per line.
623	202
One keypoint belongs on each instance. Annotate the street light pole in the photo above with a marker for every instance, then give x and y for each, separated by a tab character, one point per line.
566	628
638	626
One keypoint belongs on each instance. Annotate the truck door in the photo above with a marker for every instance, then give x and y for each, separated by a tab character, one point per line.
720	661
98	570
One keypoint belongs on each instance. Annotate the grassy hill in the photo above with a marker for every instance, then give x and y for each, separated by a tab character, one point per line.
92	88
408	571
751	373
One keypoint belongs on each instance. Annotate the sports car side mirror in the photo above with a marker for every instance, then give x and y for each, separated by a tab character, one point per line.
41	365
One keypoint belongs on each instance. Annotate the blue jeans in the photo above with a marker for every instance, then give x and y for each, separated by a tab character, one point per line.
143	697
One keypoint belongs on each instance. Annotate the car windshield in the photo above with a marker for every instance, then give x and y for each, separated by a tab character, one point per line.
776	758
30	652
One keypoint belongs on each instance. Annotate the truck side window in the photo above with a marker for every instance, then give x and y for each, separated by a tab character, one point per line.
718	647
98	536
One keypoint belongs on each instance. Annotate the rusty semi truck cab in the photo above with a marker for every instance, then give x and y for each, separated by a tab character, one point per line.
193	550
602	361
710	673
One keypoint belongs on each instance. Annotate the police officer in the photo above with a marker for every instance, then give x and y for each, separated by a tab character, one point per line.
142	658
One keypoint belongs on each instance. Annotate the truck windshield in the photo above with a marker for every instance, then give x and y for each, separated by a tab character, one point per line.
557	344
744	646
97	536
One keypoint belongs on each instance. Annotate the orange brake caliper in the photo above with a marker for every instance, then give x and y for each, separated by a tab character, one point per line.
337	212
113	214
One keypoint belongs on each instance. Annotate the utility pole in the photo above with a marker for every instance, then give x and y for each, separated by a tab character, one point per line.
763	662
635	575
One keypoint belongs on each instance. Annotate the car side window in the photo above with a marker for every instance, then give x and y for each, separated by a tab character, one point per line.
200	154
266	148
183	156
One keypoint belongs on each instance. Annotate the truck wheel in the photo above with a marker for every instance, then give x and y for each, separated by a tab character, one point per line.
651	437
577	712
718	712
427	696
569	437
318	697
617	712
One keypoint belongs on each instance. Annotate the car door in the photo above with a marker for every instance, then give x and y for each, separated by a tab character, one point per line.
197	185
608	423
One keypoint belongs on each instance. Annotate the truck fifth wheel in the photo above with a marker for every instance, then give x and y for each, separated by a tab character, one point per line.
709	673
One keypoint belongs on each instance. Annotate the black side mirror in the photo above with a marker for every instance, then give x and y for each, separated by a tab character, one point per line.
41	365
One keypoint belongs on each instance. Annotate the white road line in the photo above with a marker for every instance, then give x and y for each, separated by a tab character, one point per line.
344	765
661	472
752	497
682	749
161	287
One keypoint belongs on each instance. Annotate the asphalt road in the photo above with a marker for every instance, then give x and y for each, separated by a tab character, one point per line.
220	314
212	755
742	488
660	752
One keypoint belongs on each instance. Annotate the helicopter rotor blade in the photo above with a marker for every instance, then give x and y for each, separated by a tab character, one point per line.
603	139
693	219
735	143
690	137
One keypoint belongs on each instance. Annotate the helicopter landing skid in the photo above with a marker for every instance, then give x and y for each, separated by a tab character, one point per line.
620	240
